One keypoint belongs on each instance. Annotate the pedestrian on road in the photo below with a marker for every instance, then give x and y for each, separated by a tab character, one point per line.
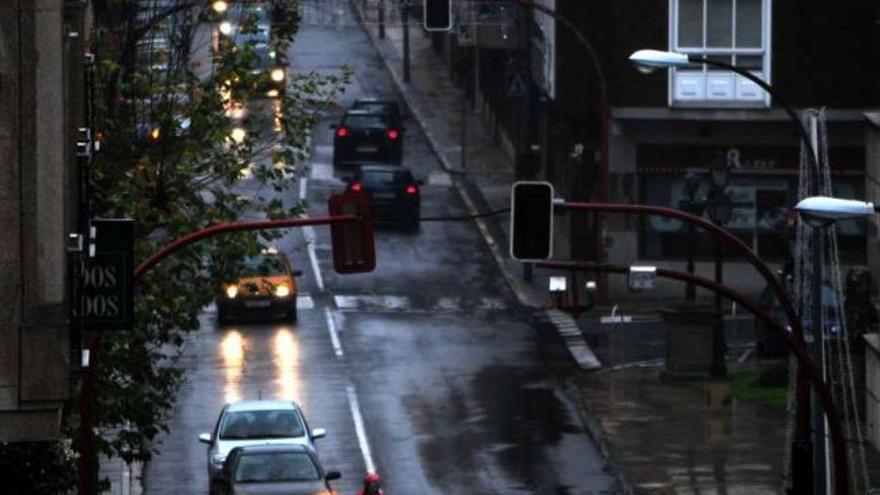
372	485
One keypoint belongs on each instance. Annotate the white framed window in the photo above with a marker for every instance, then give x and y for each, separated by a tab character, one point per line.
736	32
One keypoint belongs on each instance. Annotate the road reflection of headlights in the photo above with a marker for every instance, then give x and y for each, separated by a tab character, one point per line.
282	291
231	291
277	75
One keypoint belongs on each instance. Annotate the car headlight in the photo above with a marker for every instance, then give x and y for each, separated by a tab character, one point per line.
218	458
282	291
277	75
232	291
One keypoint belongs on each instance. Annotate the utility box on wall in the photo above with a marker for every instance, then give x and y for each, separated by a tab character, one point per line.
872	388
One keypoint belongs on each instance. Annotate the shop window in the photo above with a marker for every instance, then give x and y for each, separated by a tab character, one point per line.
761	217
736	32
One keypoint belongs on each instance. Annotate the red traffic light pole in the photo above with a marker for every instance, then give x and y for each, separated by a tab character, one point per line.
807	370
87	481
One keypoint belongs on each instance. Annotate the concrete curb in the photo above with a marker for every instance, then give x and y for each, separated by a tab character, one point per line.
567	329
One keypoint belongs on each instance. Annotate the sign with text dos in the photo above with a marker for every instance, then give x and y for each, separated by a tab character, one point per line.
104	291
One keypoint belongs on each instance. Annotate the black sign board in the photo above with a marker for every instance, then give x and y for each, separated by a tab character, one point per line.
104	292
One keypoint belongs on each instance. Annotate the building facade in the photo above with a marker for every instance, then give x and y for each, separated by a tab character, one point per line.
41	60
673	122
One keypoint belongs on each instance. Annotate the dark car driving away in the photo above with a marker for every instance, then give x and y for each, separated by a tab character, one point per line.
364	135
395	196
273	469
381	106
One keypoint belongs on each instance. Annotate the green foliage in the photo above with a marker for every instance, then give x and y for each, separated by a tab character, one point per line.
169	161
748	386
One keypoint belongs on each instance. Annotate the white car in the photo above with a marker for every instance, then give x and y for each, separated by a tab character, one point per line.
256	422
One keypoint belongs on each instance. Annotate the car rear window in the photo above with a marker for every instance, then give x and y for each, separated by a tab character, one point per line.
375	107
276	467
241	425
365	121
384	178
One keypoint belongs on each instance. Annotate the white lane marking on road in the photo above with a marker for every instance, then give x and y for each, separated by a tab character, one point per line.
492	303
303	184
438	178
323	149
305	302
360	430
334	336
309	234
385	302
322	171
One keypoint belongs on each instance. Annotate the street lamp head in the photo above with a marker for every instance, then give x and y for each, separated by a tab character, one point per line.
819	211
649	60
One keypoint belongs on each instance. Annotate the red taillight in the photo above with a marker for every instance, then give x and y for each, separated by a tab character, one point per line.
356	187
393	134
412	189
342	132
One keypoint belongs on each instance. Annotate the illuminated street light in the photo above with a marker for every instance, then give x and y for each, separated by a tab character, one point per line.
823	210
220	6
226	28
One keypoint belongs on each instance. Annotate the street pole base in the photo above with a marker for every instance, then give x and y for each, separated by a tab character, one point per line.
718	394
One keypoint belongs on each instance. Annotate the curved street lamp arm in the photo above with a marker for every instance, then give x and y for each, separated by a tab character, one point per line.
841	463
730	239
233	227
799	125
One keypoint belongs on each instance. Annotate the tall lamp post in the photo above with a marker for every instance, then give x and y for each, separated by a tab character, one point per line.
719	209
692	181
804	458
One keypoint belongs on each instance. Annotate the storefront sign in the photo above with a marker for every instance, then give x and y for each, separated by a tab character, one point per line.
103	294
660	158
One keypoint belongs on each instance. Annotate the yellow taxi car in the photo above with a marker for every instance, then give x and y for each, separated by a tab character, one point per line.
267	285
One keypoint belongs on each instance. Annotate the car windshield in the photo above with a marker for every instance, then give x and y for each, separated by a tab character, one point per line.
263	266
241	425
265	58
365	121
276	467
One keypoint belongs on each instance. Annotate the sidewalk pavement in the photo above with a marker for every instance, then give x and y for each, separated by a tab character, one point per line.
659	435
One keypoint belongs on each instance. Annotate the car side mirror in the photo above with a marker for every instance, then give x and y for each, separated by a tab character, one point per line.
319	433
297	273
332	475
205	438
334	126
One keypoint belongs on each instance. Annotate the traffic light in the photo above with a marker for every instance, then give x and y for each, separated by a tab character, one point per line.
531	220
353	248
438	15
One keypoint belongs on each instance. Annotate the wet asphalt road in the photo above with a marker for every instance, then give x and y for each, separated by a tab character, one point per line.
425	369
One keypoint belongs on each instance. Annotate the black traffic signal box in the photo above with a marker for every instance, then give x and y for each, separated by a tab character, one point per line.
531	220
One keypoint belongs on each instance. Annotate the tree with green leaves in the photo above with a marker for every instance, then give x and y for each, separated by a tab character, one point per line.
181	114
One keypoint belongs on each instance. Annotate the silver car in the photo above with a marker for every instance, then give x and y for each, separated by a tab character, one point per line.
256	422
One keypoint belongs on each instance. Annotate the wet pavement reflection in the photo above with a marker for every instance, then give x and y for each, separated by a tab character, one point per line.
665	441
232	352
285	356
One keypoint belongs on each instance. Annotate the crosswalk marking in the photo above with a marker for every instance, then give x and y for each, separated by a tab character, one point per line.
305	301
438	178
322	171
